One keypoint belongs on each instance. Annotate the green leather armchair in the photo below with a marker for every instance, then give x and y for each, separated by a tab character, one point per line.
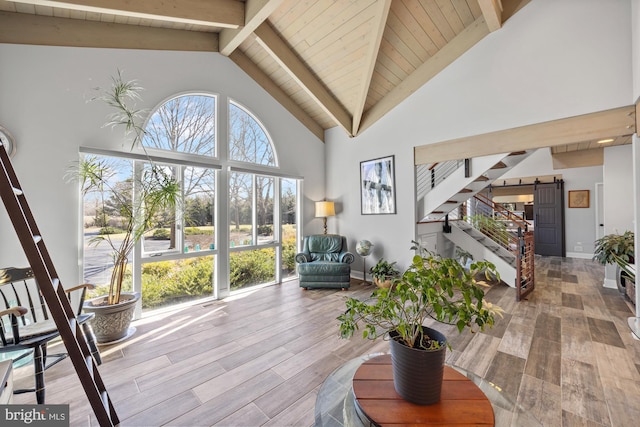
324	262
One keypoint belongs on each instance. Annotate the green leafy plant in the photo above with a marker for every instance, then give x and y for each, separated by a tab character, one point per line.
433	287
289	251
491	227
251	267
384	270
172	282
616	249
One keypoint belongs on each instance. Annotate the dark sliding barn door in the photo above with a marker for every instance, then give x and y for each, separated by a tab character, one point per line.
548	214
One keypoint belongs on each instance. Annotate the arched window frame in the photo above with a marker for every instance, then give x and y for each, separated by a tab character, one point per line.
250	113
216	114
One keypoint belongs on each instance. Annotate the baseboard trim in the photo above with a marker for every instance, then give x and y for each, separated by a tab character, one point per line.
610	283
581	255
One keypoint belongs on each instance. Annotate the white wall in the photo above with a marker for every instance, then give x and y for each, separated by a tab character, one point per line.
618	192
551	60
44	93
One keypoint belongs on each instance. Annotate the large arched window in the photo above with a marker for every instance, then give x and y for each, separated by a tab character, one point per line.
260	236
248	140
252	229
185	123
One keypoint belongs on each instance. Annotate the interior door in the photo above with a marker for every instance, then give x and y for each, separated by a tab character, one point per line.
548	214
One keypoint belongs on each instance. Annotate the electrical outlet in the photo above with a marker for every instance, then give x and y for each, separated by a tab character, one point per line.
577	248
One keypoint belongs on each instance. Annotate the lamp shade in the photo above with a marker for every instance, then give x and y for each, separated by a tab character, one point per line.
325	209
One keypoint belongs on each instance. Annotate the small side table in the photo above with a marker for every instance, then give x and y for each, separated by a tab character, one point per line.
6	382
336	404
462	402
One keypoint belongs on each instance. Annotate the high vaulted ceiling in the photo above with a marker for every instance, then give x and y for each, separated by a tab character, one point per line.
329	62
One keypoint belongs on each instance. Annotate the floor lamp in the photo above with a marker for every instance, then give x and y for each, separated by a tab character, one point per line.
323	210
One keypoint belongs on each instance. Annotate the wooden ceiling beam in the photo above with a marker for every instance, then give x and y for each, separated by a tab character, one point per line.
274	90
18	28
256	12
425	72
602	124
287	59
214	13
492	12
379	24
578	159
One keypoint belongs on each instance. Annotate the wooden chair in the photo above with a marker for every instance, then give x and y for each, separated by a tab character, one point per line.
26	326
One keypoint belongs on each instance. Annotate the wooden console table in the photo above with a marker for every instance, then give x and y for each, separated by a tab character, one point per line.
461	403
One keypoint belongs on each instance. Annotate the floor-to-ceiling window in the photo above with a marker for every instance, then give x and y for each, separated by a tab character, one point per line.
256	226
177	261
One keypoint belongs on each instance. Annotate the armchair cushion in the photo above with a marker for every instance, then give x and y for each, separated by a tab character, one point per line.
324	262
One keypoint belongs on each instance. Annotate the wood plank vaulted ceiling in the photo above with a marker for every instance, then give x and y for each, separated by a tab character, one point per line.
329	62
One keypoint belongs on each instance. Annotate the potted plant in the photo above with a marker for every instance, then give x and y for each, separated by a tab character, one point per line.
155	191
383	273
433	287
617	249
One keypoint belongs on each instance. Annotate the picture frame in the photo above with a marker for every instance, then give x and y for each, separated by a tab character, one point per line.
579	198
377	186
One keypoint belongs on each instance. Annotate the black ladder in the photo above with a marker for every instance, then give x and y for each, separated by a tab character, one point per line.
53	292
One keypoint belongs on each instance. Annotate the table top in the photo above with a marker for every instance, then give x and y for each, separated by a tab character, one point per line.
335	404
461	402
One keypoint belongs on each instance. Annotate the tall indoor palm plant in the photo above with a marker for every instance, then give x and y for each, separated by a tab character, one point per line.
137	202
155	191
155	188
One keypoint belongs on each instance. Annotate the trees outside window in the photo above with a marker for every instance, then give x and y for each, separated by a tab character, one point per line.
184	124
248	140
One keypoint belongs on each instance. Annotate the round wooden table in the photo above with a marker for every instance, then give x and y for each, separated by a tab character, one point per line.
461	403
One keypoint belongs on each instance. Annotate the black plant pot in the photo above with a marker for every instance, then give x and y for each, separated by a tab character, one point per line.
418	373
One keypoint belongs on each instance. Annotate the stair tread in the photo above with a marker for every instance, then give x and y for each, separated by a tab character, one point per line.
499	165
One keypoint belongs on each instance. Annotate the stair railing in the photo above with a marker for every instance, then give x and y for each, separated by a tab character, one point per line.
508	230
525	266
430	176
502	213
492	221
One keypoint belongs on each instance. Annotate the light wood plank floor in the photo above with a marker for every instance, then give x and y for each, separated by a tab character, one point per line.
566	353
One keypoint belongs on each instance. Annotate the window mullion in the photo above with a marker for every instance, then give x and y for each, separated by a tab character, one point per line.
277	227
138	167
254	210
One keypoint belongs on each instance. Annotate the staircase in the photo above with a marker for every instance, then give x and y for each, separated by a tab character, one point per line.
489	231
442	187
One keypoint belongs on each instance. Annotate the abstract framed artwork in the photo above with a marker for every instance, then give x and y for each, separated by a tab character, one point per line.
579	199
377	186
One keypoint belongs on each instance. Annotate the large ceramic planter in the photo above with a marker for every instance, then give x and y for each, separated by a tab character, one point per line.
418	373
111	322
